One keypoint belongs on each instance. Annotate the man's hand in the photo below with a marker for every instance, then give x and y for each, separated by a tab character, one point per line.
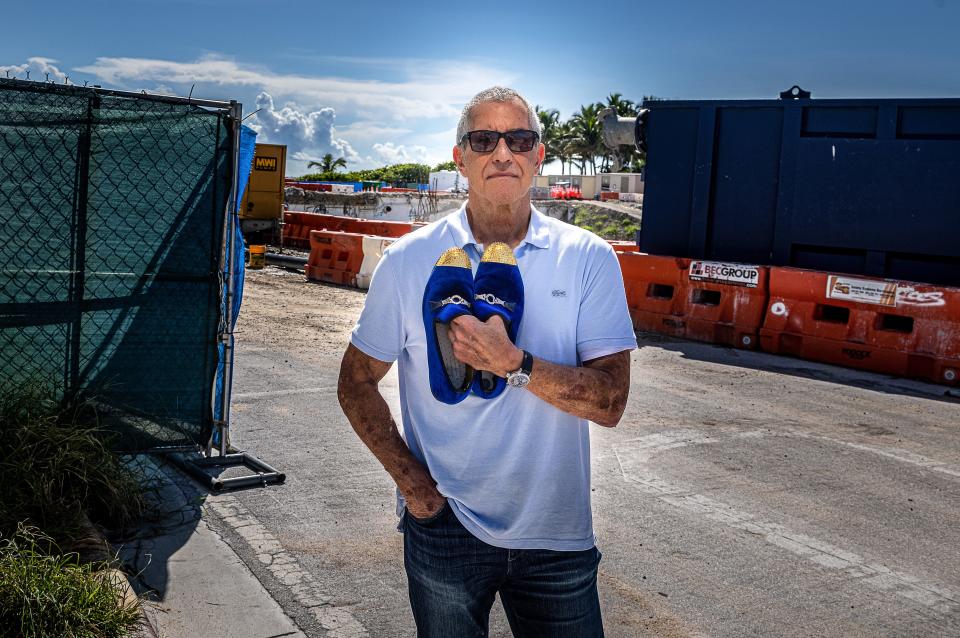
423	501
484	345
369	415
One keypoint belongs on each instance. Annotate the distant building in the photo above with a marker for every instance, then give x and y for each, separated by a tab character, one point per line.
451	181
592	185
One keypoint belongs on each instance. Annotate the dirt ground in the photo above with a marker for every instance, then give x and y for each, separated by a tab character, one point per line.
281	309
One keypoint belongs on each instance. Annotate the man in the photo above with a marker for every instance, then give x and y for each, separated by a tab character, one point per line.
494	493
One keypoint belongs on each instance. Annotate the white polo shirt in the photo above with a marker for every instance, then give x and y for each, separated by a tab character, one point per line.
515	469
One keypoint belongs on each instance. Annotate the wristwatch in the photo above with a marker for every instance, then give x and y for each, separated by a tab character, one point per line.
520	378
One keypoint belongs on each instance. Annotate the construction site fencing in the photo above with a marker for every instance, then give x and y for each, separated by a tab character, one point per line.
112	213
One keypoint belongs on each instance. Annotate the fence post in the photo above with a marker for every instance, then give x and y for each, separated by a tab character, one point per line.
230	258
79	252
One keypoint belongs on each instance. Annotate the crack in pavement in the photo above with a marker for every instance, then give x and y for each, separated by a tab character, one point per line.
635	467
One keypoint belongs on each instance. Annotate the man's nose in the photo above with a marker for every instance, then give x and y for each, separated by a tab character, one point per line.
502	153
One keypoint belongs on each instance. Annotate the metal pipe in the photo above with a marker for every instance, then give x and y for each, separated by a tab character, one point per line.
617	131
199	469
286	260
622	131
229	258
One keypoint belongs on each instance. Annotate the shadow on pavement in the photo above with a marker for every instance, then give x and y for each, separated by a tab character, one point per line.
799	368
174	502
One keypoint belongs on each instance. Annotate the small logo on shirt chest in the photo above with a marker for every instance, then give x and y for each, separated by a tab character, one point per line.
559	293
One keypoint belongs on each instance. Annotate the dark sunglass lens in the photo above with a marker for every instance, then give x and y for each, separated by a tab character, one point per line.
521	141
483	141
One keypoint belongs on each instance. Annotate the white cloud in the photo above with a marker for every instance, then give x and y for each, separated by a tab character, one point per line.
387	120
430	90
40	69
307	135
161	89
445	139
390	153
371	131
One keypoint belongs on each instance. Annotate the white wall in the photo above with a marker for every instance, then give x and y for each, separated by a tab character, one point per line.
447	181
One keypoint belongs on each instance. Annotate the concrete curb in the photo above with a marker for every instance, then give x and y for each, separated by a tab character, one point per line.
195	583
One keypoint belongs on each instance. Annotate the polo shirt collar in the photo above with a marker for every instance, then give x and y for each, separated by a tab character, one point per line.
538	233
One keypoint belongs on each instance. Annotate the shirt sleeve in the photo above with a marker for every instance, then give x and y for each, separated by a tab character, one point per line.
604	326
379	330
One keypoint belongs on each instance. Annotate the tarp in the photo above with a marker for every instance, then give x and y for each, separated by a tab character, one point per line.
111	229
248	140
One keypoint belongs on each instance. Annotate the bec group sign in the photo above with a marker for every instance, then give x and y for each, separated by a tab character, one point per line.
725	273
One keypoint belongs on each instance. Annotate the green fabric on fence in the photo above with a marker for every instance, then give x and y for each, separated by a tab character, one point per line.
111	227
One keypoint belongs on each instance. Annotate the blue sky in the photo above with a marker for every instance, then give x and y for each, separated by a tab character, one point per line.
383	82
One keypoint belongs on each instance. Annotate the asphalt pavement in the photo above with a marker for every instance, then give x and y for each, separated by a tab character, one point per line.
742	494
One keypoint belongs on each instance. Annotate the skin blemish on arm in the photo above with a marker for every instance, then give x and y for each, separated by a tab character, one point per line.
596	391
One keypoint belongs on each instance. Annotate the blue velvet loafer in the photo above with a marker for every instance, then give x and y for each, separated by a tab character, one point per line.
498	290
448	295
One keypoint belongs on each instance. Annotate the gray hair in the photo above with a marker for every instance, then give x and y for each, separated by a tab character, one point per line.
495	94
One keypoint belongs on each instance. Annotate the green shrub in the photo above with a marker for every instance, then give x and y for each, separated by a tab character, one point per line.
606	224
45	594
56	466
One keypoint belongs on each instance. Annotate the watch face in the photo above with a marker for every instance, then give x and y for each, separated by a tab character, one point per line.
518	379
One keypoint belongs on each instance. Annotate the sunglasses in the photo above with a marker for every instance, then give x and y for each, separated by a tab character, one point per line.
519	141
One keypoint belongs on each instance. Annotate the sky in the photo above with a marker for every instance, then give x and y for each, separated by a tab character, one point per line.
381	82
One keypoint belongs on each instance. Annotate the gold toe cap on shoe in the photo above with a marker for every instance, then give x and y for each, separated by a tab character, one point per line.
499	253
454	257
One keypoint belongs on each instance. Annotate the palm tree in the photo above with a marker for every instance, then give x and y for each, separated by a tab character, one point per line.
624	108
549	128
587	136
327	164
563	146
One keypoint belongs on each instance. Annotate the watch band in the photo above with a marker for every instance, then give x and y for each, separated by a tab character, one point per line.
520	378
526	366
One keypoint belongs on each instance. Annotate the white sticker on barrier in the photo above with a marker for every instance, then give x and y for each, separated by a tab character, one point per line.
735	274
910	296
779	309
880	293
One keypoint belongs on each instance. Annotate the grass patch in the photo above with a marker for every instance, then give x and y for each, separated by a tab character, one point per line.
46	594
606	223
56	468
57	474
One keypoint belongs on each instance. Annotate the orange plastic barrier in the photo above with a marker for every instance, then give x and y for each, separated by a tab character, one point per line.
705	301
893	327
623	246
297	226
335	257
296	232
609	195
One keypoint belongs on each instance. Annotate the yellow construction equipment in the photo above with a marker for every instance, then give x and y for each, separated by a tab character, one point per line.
262	208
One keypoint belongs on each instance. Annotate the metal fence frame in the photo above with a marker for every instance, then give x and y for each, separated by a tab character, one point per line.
196	460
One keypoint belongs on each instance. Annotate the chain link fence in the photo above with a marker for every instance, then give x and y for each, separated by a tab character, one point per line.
112	210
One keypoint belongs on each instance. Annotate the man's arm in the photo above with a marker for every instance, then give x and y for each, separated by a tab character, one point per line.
597	390
370	417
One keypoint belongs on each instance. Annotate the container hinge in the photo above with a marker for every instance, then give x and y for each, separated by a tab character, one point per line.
795	93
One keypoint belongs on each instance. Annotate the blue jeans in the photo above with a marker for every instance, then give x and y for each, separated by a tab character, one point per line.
453	578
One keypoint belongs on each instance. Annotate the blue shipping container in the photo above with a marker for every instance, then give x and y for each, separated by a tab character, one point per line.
860	186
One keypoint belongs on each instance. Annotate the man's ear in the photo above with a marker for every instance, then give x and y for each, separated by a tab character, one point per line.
458	157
